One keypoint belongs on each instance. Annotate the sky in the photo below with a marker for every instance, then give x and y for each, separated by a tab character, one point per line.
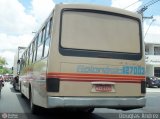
20	18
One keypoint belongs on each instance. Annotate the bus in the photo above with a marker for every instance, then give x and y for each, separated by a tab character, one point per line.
16	67
85	57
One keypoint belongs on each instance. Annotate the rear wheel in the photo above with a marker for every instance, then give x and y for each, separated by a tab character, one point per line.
0	91
86	110
34	108
22	95
89	110
148	85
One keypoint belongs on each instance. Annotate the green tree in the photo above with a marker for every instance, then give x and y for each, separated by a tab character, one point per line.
2	61
4	70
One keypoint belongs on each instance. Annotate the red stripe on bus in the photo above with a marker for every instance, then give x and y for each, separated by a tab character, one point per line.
80	74
118	81
97	80
95	77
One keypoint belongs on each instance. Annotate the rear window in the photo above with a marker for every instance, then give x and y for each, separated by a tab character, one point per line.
100	31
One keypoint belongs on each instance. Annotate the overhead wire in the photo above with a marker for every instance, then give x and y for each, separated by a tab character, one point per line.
151	3
145	6
132	4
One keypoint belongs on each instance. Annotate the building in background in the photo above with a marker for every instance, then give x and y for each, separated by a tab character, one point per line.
152	51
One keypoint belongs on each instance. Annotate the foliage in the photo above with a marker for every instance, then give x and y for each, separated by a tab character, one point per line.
2	61
4	70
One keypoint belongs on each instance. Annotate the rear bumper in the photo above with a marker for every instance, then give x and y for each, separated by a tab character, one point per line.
54	102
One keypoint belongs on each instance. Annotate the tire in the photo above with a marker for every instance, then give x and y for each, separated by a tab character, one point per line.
89	110
149	85
86	110
22	95
34	108
0	92
14	86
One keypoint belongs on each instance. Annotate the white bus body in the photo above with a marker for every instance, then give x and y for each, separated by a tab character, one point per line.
95	59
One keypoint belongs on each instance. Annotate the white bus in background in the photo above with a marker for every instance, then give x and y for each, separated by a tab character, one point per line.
85	57
16	67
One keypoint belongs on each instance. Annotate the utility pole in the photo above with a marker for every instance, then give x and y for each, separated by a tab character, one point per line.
143	9
149	27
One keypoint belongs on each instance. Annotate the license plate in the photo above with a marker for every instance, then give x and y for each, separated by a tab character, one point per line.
103	88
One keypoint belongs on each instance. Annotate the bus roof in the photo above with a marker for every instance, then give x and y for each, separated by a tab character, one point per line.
99	7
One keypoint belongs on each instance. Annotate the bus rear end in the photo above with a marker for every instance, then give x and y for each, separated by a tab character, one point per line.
96	59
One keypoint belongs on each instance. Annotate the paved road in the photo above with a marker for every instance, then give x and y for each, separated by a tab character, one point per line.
12	104
11	101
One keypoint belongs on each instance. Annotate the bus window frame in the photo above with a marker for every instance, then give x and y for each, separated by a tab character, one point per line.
47	37
40	41
95	53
